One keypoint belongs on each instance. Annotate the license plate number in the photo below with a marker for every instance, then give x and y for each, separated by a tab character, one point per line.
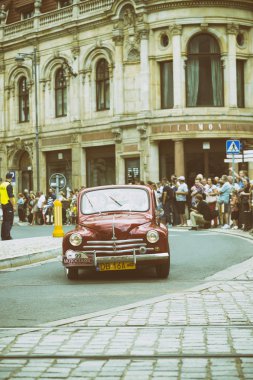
116	266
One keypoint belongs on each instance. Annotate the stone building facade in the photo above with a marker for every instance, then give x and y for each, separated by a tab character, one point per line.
123	89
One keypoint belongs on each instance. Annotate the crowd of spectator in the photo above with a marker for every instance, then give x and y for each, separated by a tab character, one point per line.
225	202
38	208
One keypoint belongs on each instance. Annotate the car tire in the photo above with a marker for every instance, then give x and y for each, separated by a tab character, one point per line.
163	270
72	273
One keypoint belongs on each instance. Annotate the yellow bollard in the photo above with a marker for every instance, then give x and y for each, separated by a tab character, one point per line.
58	231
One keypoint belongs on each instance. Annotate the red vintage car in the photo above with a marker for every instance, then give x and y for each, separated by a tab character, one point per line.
118	228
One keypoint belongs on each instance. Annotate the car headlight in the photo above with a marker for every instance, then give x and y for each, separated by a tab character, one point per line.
75	239
152	236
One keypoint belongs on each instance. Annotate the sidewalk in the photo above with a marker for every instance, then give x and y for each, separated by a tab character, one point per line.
203	333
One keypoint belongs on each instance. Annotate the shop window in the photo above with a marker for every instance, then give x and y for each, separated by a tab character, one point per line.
60	93
166	75
132	170
23	105
102	86
240	83
204	73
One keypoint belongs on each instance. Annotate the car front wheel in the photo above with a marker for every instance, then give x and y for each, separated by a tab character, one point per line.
72	273
163	270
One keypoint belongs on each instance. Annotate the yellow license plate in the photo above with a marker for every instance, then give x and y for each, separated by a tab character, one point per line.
116	266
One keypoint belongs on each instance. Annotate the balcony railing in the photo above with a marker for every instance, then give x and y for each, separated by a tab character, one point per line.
18	27
70	13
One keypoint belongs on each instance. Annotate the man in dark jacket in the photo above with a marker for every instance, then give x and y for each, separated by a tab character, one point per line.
200	215
7	201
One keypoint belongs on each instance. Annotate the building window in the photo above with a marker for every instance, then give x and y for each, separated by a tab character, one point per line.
23	106
27	12
64	3
204	73
102	86
60	93
240	83
164	40
166	75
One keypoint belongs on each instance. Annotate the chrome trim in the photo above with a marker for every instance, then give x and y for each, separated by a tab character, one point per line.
132	258
115	245
115	252
92	242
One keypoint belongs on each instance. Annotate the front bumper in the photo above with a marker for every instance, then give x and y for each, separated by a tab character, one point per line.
130	258
94	260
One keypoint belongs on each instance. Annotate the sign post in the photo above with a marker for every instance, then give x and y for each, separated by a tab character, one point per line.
58	182
233	147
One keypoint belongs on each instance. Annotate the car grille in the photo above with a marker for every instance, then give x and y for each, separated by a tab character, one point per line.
115	247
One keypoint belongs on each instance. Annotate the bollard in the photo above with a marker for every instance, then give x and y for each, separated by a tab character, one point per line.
58	231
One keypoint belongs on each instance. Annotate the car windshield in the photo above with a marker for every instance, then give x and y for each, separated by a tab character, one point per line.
115	199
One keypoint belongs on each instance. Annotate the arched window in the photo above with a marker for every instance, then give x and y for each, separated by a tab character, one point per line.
204	72
102	85
23	100
60	93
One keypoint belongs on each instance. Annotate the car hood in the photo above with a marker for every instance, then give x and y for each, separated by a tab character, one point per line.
116	225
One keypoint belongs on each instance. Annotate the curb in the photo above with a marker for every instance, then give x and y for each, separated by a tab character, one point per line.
29	259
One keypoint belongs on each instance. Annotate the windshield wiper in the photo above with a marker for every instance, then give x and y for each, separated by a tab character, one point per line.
91	204
114	200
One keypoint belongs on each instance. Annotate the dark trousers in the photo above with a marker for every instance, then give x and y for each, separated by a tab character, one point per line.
8	217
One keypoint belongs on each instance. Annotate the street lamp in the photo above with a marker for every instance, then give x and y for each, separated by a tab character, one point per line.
20	57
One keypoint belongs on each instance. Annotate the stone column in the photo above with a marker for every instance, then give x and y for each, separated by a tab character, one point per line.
119	160
232	83
118	78
87	96
74	101
179	157
177	65
76	8
77	163
144	71
250	170
153	162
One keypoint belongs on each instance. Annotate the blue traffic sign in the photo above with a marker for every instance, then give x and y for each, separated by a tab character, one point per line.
233	146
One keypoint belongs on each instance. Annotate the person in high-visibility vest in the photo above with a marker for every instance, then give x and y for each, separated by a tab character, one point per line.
7	201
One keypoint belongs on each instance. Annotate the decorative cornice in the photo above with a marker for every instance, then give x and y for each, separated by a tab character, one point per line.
246	4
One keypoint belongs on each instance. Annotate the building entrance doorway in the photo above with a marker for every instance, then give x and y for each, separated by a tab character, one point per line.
100	164
205	157
26	173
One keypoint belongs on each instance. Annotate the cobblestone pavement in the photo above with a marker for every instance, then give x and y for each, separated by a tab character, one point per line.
203	333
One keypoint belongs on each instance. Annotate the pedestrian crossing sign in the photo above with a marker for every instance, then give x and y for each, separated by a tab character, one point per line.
233	146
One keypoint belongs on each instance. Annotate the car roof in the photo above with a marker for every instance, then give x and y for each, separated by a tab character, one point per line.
147	188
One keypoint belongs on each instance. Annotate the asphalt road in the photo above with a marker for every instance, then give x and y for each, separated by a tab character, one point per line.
39	294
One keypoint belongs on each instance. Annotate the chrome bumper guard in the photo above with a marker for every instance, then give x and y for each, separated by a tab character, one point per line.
129	258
